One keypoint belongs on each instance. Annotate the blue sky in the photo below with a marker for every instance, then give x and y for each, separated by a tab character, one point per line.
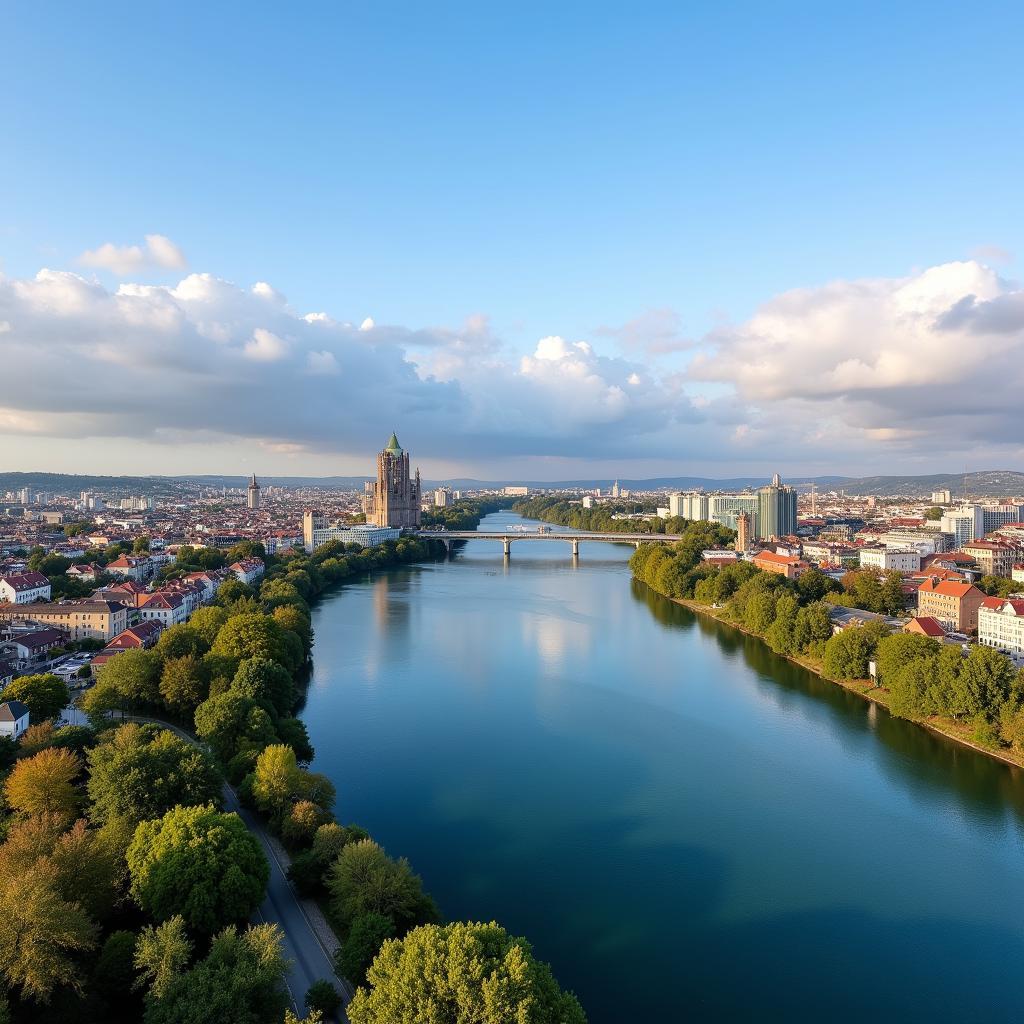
558	169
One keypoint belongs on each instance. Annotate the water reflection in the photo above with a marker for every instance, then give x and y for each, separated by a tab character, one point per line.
925	763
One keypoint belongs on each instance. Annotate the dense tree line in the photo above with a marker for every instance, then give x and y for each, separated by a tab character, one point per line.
921	678
599	518
464	514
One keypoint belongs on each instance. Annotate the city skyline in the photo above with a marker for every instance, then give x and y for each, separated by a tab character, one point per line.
615	256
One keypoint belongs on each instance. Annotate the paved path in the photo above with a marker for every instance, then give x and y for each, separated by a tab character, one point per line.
304	943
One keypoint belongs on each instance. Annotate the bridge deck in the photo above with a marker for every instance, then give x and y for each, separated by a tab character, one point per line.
510	535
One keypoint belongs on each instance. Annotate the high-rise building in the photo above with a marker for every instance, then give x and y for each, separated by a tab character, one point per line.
724	508
941	497
615	489
776	509
395	497
441	496
253	493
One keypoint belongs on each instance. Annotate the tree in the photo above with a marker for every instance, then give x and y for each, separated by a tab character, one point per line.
182	640
292	617
133	677
759	613
267	683
114	974
140	546
183	686
259	636
322	996
240	980
899	649
229	722
934	513
41	933
461	972
892	593
366	935
199	863
847	653
208	622
985	680
909	687
277	780
142	771
301	821
162	954
812	628
813	585
781	634
293	732
44	695
45	783
364	879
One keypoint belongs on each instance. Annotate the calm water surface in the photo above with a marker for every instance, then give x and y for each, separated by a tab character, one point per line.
685	825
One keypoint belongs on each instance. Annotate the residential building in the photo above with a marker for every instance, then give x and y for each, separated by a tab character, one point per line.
169	609
24	588
954	605
694	505
396	496
1001	624
886	559
588	501
926	626
131	567
512	492
993	559
965	524
101	620
28	649
941	497
14	718
1017	573
786	565
248	570
442	497
87	572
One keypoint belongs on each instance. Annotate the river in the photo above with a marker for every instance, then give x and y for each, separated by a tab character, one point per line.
685	825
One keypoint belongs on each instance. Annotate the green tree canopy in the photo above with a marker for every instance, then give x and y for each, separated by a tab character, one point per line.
207	622
45	783
199	863
142	771
265	682
183	685
240	980
44	695
461	972
259	636
182	640
230	722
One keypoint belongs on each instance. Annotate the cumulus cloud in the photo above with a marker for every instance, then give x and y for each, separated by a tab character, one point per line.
204	358
930	364
157	252
876	374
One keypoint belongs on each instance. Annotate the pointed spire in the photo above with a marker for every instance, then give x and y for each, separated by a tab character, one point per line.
393	445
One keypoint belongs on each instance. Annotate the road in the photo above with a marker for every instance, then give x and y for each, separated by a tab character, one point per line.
309	959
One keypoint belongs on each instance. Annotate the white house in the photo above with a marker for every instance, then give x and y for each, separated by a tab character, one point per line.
887	559
166	608
248	570
24	588
13	718
1001	624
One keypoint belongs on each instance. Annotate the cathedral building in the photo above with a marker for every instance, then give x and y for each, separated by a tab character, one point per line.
395	498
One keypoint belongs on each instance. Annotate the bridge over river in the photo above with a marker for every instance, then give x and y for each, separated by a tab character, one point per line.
508	536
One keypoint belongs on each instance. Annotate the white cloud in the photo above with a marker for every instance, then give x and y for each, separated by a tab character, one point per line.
367	324
878	374
322	364
158	252
265	346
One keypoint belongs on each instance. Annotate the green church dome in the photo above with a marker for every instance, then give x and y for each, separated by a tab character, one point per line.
393	445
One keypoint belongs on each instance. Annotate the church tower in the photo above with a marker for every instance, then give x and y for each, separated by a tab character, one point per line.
253	493
395	498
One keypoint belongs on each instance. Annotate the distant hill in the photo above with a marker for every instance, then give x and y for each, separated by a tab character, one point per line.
990	483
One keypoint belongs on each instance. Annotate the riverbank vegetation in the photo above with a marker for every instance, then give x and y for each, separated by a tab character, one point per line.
464	514
131	889
608	517
975	695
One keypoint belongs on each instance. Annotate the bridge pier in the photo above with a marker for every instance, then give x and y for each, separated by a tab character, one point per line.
507	544
575	548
